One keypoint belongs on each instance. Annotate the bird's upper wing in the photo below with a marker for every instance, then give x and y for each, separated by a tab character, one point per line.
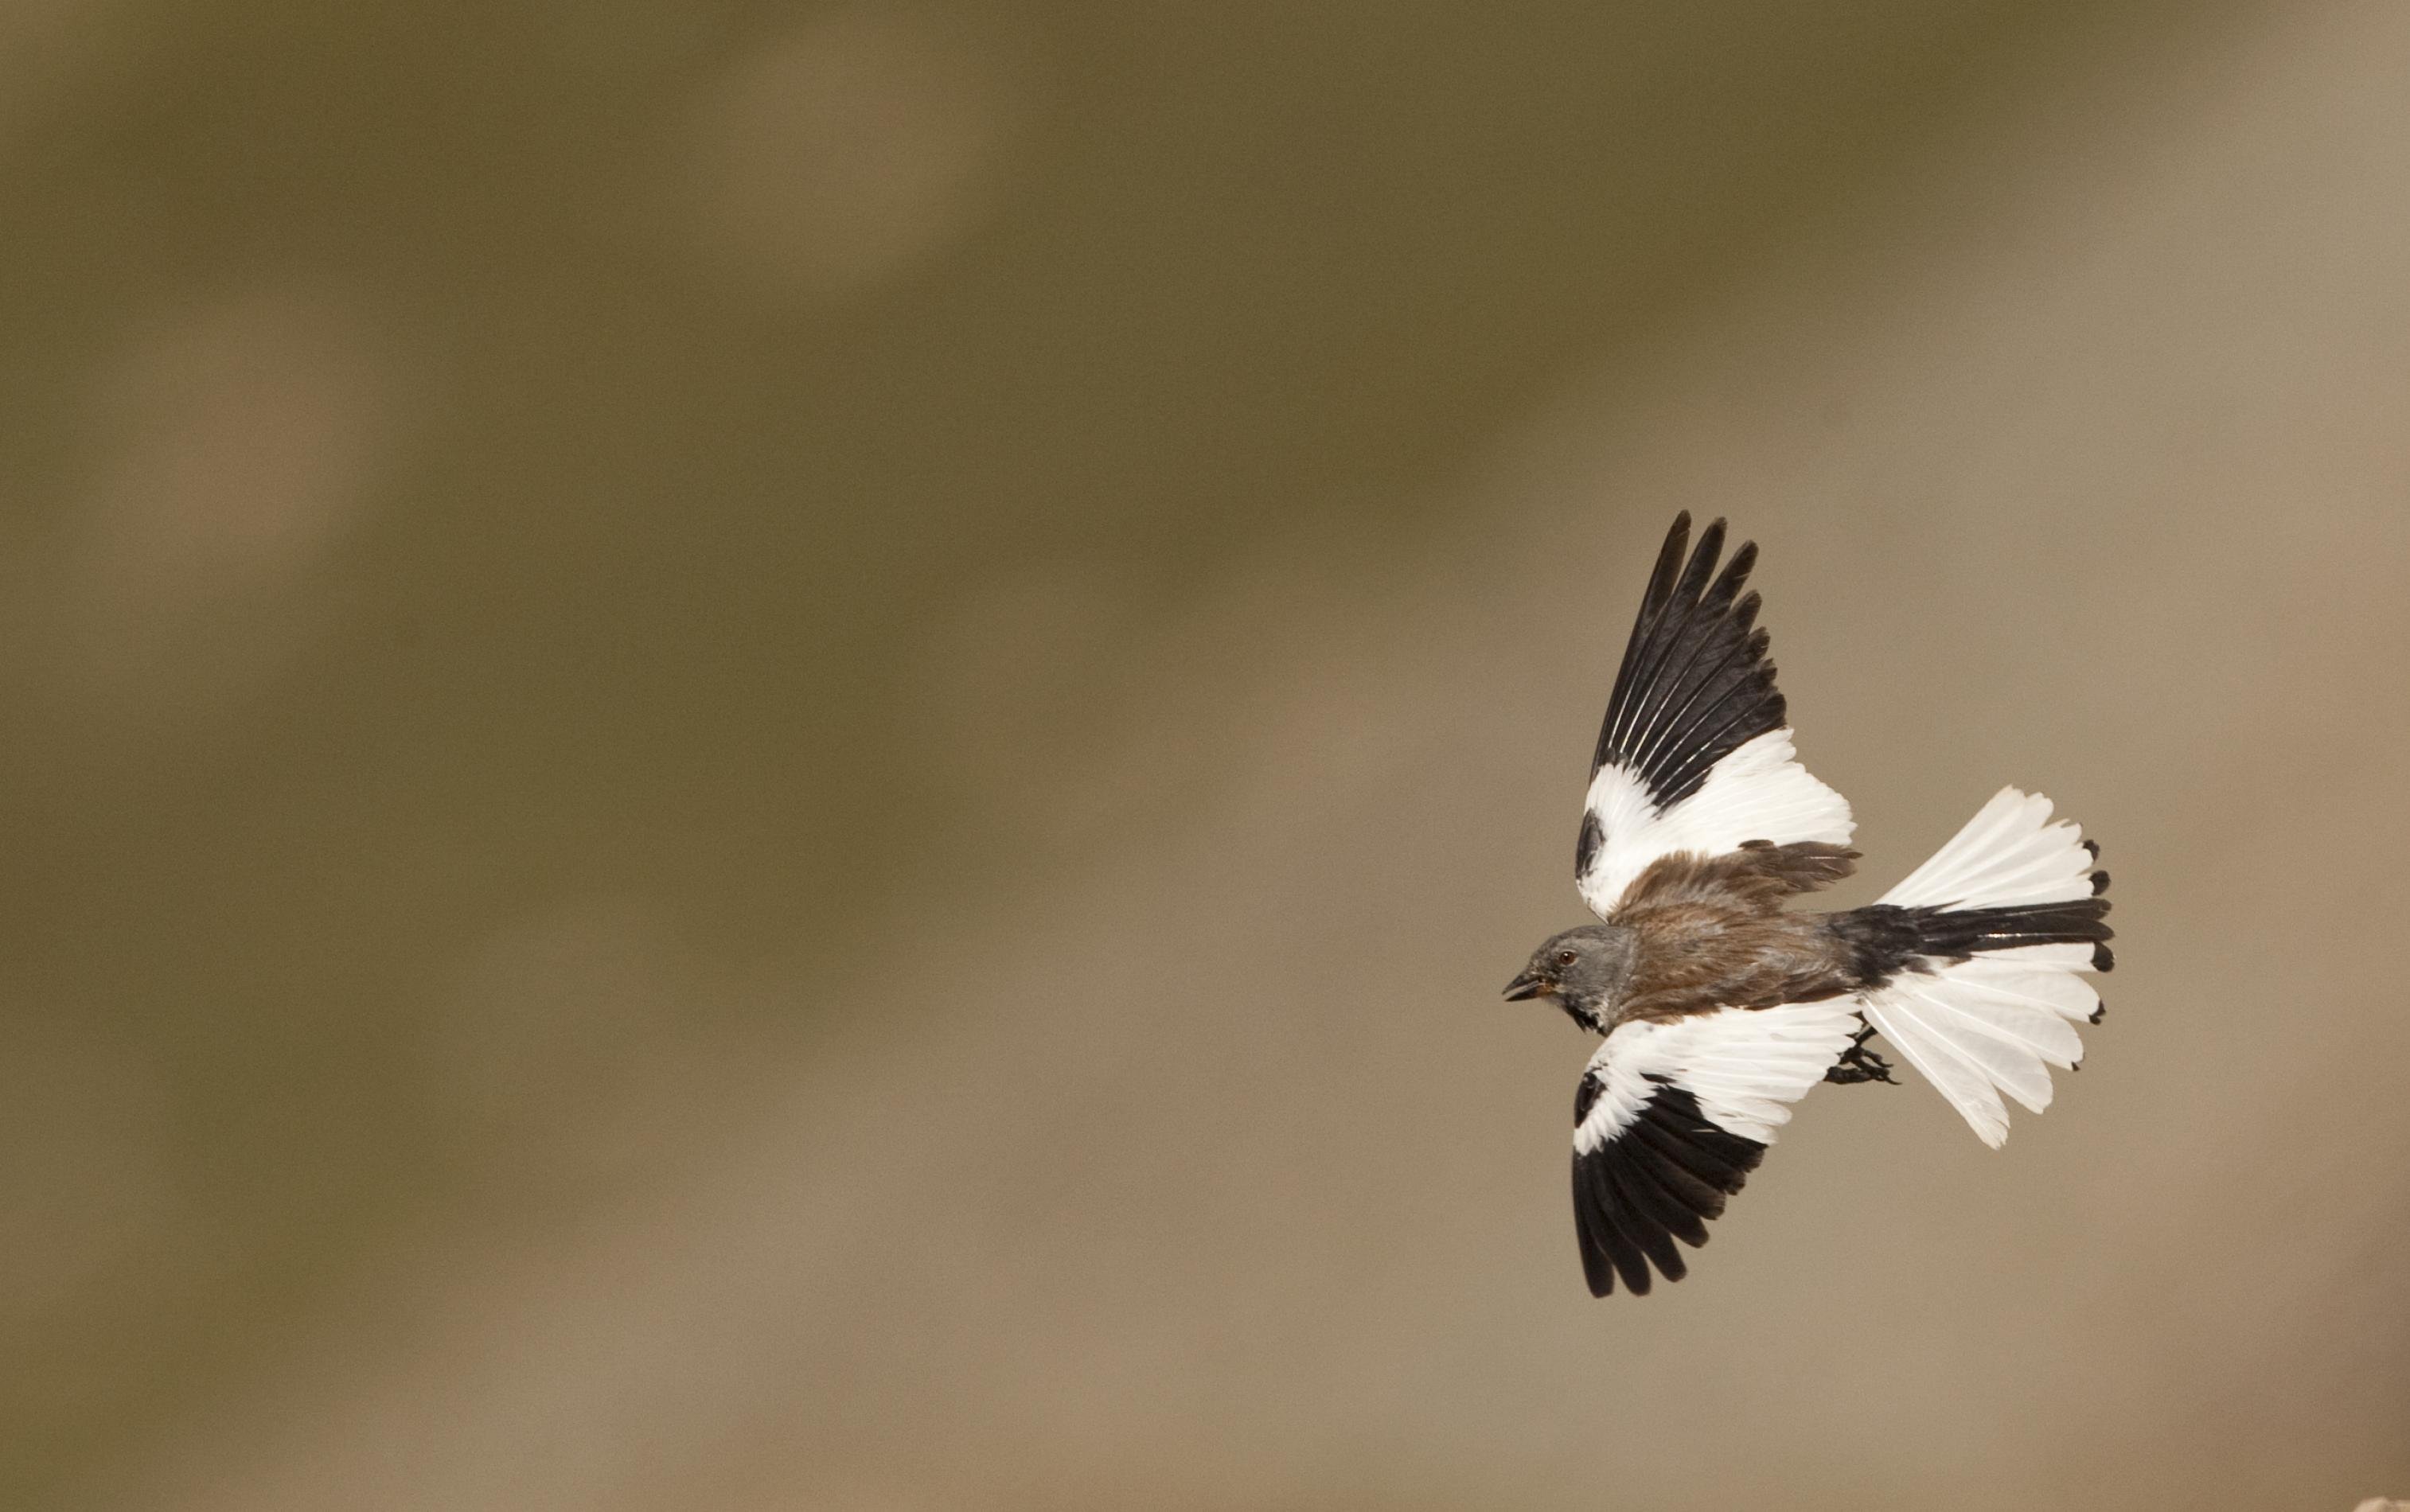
1693	754
1672	1116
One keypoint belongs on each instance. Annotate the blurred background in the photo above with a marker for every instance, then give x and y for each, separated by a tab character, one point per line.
774	756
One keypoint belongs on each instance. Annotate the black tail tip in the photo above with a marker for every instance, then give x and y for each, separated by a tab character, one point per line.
2103	959
2099	883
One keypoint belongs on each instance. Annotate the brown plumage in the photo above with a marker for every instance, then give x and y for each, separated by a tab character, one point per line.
1710	932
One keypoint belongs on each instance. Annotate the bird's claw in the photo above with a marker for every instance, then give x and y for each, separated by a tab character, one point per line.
1859	1064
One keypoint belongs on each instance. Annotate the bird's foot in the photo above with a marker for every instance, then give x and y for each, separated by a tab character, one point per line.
1859	1064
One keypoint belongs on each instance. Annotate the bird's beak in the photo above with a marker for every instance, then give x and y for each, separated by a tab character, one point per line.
1526	985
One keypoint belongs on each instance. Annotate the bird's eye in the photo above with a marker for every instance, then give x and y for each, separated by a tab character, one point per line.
1565	958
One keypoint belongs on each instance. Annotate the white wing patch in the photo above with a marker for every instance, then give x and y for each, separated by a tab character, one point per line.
1759	792
1744	1065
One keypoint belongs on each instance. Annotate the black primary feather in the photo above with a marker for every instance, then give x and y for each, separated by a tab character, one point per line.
1659	1180
1696	684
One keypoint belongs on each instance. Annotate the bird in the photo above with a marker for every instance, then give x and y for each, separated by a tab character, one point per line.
1719	1005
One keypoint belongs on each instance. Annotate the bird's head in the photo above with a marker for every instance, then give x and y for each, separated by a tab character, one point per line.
1583	971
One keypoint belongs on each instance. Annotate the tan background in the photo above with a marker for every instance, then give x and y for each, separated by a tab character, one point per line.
780	757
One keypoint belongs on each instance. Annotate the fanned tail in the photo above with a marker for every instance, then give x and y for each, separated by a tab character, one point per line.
2006	915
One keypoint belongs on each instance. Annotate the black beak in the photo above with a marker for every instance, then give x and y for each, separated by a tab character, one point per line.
1527	986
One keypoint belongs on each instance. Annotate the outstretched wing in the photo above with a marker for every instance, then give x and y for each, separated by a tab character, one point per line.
1672	1116
1693	754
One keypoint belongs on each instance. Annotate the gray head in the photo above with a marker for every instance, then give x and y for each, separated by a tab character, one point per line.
1583	971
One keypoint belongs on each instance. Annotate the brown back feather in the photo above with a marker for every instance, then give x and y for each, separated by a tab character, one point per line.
1711	931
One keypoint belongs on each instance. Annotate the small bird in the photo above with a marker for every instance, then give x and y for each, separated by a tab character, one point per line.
1719	1005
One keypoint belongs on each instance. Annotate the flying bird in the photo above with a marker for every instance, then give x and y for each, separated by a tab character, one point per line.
1719	1006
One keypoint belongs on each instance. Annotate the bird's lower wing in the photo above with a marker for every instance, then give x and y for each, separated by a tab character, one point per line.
1670	1119
1694	754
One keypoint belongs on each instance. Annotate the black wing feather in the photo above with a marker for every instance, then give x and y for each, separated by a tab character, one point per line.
1666	1218
1671	1151
1649	1236
1658	1181
1606	1252
1684	1212
1696	684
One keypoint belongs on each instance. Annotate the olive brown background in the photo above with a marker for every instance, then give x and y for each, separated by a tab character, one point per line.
766	756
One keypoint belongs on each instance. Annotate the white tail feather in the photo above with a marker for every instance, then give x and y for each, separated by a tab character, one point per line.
2006	853
1992	1024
